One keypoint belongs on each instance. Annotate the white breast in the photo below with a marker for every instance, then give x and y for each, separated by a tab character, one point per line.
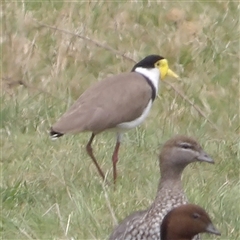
153	75
137	121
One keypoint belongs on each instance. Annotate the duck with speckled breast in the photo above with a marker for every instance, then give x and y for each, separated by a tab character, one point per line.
175	155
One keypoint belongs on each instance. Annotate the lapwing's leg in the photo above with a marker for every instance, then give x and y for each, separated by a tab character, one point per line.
115	157
90	153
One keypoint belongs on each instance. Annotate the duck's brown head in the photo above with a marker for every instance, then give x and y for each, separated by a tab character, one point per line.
186	221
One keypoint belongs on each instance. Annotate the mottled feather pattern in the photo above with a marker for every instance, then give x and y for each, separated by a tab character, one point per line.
147	226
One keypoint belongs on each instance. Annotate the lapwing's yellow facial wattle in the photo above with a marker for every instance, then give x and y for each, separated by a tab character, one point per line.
162	65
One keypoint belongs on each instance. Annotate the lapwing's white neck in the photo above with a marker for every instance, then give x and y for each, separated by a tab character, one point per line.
153	74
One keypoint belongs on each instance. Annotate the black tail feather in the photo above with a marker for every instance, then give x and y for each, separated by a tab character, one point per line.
55	134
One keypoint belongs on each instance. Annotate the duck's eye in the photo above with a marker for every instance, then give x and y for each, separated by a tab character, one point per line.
196	215
185	145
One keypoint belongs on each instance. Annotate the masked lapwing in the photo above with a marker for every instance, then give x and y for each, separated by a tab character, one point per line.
120	102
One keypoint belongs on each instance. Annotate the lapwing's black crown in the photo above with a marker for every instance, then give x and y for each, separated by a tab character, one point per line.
148	62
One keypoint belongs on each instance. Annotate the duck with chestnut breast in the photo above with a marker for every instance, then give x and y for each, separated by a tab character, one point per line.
118	103
186	221
175	155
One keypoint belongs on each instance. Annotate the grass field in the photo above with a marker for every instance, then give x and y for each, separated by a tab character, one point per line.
50	189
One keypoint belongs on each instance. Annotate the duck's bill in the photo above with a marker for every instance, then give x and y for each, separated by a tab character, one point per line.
204	157
212	229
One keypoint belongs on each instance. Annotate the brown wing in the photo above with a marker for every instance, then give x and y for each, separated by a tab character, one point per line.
117	99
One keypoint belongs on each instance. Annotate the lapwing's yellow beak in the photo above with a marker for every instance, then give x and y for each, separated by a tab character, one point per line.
162	65
172	74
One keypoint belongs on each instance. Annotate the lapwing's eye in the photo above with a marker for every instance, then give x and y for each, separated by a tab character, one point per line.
196	215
